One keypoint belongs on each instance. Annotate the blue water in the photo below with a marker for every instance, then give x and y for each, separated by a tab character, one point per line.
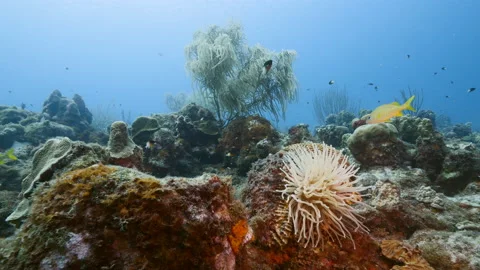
132	52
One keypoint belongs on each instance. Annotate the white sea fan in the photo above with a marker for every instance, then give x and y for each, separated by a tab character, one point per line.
320	190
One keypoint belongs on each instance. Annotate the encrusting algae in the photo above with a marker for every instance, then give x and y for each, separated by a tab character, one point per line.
114	217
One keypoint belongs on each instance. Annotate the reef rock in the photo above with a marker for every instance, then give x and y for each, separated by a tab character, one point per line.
7	204
331	134
428	114
70	112
10	177
405	202
9	134
121	149
458	250
247	139
298	134
193	123
343	118
40	132
120	218
462	130
460	167
12	115
377	145
430	146
197	125
56	156
411	127
405	206
181	143
143	128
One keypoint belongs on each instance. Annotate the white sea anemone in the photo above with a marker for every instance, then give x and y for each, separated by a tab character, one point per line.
320	190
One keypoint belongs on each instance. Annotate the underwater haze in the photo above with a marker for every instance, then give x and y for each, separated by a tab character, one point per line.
130	54
239	134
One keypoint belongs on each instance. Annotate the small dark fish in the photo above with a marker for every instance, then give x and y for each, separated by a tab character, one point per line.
370	83
444	68
331	82
66	68
308	102
23	106
120	104
471	89
378	101
160	54
268	65
31	105
308	89
435	73
376	88
408	56
451	82
447	96
9	91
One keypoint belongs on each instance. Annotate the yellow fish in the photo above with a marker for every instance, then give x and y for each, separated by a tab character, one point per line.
7	155
386	112
10	154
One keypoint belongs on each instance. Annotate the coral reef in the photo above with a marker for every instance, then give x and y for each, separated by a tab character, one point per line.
405	207
8	199
460	167
69	112
13	115
181	142
60	117
298	134
403	202
273	227
449	250
53	158
428	114
462	130
246	140
143	128
410	201
398	251
10	177
40	132
377	145
331	134
343	118
430	146
411	127
122	219
121	149
9	133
